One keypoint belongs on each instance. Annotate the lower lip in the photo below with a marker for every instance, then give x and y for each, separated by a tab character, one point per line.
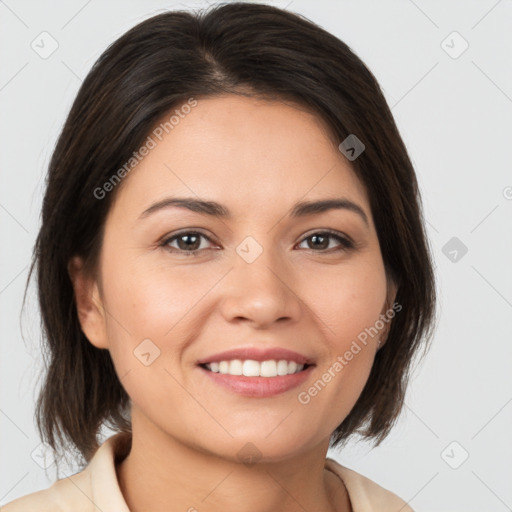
259	387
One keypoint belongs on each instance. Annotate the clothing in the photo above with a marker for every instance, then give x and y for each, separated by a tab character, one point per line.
97	484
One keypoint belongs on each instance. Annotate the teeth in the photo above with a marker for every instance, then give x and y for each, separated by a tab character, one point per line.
251	368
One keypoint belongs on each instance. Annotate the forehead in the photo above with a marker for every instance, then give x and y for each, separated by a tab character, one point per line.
245	152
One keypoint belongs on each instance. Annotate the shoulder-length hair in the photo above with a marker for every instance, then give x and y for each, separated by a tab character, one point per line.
237	48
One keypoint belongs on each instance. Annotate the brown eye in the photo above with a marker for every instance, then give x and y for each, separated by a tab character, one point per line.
320	241
187	242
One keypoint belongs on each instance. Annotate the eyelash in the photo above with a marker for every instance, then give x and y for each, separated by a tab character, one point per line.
344	242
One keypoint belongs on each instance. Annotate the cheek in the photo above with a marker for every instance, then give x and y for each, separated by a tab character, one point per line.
347	305
348	302
148	320
151	299
152	303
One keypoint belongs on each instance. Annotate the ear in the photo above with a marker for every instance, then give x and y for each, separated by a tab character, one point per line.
89	305
392	289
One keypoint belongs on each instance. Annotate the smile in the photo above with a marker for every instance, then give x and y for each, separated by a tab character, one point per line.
257	379
252	368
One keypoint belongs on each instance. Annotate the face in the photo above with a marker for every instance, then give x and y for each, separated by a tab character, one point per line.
180	286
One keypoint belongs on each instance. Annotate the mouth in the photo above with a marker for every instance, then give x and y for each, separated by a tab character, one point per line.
257	379
251	368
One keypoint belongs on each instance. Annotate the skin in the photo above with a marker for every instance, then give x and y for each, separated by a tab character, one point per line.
257	158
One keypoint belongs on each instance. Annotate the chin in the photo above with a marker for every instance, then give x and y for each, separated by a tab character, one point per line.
255	446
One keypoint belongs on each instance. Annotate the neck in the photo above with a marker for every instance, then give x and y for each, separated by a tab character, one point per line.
161	472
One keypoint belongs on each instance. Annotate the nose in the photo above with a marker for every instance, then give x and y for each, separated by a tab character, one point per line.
261	293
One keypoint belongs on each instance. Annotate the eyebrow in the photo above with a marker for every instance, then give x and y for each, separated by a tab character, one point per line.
214	209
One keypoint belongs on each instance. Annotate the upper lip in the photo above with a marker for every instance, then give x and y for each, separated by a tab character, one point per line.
257	354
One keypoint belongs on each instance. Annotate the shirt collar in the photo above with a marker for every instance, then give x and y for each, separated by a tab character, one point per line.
106	493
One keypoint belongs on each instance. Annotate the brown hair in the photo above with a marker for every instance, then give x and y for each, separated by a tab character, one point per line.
229	48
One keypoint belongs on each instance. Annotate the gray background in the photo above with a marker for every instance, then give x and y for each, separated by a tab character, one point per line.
454	111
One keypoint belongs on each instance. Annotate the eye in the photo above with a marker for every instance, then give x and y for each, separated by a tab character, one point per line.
320	240
188	242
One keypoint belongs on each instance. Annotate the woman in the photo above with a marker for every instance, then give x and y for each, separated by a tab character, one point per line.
233	271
